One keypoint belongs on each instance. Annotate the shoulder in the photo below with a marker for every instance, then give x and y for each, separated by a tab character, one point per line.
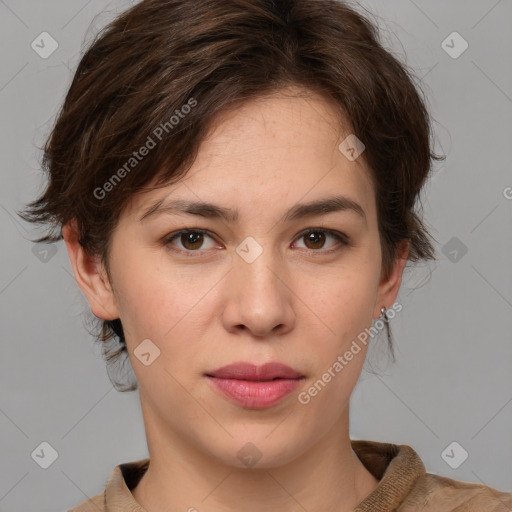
405	486
441	494
94	504
117	495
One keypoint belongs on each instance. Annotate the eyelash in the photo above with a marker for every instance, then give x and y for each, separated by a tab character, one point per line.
341	237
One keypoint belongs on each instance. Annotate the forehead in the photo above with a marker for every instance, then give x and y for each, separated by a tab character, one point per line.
270	152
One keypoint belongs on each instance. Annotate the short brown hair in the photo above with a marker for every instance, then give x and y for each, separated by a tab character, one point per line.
160	56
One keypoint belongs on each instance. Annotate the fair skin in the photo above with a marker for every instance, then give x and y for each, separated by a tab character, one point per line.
295	303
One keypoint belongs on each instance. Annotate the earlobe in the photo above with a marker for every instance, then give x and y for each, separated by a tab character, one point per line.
90	275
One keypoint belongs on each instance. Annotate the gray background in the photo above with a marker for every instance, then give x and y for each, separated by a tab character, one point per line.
453	377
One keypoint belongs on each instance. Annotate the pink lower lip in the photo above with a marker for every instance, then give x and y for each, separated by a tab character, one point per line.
256	394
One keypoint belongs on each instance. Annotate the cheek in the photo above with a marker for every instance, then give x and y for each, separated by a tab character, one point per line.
345	306
340	311
343	299
157	301
162	308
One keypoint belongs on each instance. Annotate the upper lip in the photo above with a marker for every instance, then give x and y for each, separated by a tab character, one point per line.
249	371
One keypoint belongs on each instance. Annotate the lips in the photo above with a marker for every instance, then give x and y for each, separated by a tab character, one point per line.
251	372
255	387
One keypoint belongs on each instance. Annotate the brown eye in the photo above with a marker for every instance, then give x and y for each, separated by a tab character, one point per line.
315	239
191	240
188	240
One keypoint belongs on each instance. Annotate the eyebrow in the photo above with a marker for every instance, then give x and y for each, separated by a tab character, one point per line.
210	210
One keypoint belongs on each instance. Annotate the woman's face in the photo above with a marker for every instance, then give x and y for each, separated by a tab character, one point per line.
254	287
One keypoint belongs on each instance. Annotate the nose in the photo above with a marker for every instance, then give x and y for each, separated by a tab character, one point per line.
259	297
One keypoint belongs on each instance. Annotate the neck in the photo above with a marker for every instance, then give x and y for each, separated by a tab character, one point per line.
326	477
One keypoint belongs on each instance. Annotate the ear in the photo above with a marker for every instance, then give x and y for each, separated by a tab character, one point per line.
390	285
90	275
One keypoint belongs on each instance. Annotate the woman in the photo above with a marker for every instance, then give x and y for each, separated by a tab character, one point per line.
236	185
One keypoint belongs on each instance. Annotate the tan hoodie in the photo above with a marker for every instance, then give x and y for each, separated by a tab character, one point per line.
404	486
